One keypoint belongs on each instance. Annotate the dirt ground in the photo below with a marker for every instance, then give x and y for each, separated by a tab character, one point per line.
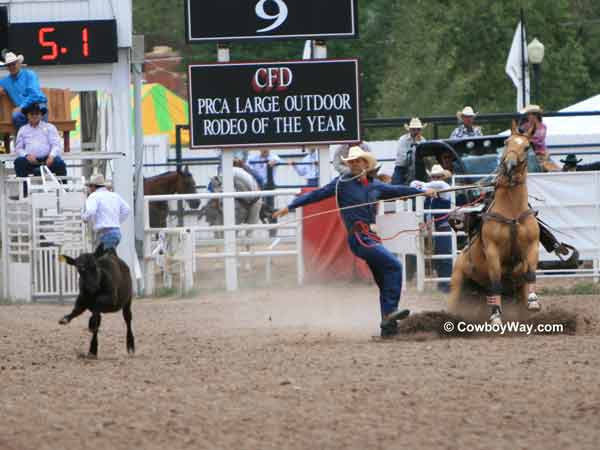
293	369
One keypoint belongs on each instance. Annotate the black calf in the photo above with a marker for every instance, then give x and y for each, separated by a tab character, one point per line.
104	287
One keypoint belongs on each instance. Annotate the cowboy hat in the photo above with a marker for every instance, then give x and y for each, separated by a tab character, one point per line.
414	123
532	109
355	152
467	111
34	107
571	159
438	171
96	180
10	57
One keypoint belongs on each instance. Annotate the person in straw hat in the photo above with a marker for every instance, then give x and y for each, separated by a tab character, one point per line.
535	124
356	195
23	88
107	210
466	128
405	149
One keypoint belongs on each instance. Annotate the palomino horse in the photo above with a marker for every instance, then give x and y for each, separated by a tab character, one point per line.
507	246
175	182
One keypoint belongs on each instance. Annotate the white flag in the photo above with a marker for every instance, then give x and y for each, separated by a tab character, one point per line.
514	69
307	53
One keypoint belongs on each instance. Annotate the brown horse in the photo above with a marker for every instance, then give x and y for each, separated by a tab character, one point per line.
507	246
174	182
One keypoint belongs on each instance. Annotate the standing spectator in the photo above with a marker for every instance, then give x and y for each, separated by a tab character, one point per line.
538	140
107	210
38	144
309	167
406	148
466	129
264	164
23	88
340	152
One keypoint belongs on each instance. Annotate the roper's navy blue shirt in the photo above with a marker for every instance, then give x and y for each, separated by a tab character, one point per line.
354	192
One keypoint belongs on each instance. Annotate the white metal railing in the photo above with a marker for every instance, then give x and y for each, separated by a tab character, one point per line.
186	245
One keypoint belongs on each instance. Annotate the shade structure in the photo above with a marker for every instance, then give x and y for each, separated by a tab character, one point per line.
162	110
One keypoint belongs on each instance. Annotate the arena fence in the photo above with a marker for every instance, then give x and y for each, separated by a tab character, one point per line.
174	255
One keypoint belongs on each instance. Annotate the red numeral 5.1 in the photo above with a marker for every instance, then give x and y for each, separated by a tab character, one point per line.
44	43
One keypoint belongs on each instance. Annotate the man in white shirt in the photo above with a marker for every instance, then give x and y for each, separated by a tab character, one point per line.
309	168
107	210
265	164
405	149
38	144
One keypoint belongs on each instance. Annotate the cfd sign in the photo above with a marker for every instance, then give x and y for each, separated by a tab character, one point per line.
275	103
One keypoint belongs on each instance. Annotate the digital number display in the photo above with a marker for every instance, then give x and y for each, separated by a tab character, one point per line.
78	42
227	20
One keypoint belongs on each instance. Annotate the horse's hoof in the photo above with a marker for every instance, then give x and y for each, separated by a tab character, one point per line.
87	356
533	305
63	321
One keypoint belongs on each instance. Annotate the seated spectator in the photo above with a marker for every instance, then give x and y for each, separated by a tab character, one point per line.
341	151
309	167
23	88
447	159
538	140
38	144
406	148
570	163
467	128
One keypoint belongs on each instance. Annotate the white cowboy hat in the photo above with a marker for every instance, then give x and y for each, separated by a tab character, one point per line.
534	109
355	152
10	57
96	180
414	123
467	111
438	171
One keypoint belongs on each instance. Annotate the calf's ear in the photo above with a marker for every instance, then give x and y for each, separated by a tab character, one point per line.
67	259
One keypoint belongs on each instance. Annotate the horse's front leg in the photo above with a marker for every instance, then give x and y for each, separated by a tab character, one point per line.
494	299
531	260
456	284
94	325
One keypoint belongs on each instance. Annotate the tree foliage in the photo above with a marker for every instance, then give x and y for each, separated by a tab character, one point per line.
428	57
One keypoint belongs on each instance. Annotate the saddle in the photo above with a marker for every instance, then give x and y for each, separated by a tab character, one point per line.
470	223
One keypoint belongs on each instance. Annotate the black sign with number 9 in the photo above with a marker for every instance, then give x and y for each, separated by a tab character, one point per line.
228	20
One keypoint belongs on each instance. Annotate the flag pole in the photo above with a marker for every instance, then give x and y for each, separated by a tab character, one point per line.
524	94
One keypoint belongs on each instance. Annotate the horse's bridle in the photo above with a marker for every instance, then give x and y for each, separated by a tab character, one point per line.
521	157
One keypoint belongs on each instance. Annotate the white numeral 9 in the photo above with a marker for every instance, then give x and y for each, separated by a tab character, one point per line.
279	18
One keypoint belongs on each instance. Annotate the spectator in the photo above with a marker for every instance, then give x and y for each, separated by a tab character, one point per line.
23	88
107	210
264	164
446	159
341	151
239	160
538	140
38	144
570	163
466	129
406	148
309	167
442	244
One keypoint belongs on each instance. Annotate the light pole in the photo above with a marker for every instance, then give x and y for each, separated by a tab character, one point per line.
535	52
